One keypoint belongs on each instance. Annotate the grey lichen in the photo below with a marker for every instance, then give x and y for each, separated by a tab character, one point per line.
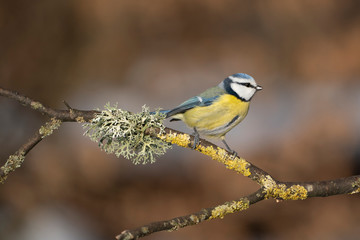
12	163
123	133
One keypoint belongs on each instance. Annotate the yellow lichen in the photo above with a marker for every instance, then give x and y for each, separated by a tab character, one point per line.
355	191
72	113
144	229
281	191
36	105
194	219
49	127
125	235
229	207
295	192
356	184
80	120
182	140
240	165
268	183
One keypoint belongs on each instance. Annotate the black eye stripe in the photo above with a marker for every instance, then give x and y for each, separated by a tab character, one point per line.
247	85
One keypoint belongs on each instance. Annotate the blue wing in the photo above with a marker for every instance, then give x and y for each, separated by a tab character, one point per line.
204	99
189	104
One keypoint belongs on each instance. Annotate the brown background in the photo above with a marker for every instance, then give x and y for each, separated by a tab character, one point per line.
304	125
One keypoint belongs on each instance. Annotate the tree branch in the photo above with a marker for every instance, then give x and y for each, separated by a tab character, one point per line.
270	187
70	115
14	161
192	219
316	189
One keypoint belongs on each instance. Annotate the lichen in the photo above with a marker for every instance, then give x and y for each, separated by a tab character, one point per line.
49	127
294	192
281	191
126	235
356	185
240	165
195	219
12	163
182	140
237	164
123	133
229	207
181	222
36	105
80	120
355	191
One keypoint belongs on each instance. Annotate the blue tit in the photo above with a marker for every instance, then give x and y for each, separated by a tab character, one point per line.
216	111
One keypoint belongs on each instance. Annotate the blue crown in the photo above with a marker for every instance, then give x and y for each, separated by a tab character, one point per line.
242	75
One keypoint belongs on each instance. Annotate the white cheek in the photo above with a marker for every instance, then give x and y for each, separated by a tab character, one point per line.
242	91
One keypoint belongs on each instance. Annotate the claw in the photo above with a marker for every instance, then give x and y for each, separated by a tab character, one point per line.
234	154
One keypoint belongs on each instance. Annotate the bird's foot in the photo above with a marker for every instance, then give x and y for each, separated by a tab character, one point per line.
233	153
196	139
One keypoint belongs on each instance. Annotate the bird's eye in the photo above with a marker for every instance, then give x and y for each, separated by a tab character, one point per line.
246	84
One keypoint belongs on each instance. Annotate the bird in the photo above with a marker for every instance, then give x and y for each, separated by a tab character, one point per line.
217	110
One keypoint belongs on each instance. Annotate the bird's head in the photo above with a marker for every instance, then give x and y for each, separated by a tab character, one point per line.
241	86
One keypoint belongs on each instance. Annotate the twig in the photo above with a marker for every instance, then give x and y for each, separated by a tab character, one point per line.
191	219
70	115
67	105
12	164
316	189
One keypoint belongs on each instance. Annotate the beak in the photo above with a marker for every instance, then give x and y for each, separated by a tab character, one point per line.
258	88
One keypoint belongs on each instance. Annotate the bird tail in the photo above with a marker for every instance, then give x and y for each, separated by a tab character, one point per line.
165	112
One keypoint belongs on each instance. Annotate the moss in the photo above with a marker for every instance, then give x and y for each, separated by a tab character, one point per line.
229	207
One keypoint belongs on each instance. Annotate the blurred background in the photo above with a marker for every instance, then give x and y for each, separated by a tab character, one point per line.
304	125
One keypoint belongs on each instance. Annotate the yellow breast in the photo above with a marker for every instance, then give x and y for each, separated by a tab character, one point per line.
218	118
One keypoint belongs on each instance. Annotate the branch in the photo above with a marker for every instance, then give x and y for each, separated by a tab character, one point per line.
315	189
194	218
205	147
57	116
14	161
270	187
347	185
70	115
